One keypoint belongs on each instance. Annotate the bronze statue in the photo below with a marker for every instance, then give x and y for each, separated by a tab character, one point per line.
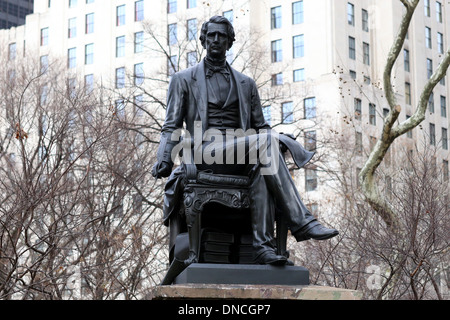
212	95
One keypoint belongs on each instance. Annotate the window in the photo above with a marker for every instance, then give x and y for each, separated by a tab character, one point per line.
89	54
351	48
139	10
385	112
428	37
72	87
444	139
12	51
138	41
172	65
171	6
366	53
427	8
72	3
438	11
72	28
44	63
409	133
445	170
443	107
298	44
429	68
72	58
120	46
139	105
172	34
191	59
299	75
310	179
277	54
120	78
191	4
89	1
358	183
372	114
230	56
138	74
44	124
229	15
408	93
351	14
388	182
89	23
365	20
358	142
431	103
120	108
44	94
432	134
192	29
352	74
11	76
297	12
287	109
358	108
310	140
89	83
372	142
267	112
277	79
406	60
44	36
275	17
310	108
137	200
120	15
440	42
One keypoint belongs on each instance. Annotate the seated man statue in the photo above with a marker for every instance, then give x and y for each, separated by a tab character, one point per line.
213	96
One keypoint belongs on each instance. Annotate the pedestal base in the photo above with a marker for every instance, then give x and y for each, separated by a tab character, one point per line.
257	292
243	274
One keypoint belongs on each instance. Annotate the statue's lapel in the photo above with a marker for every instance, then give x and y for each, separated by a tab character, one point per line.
242	90
200	92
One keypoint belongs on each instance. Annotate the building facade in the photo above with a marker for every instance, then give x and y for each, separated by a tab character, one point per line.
13	13
321	62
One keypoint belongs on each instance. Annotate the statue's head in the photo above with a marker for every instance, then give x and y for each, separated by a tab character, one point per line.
217	36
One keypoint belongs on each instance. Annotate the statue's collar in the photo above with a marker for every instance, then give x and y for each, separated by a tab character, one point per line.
215	63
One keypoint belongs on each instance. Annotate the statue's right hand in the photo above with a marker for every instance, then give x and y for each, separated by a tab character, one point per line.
161	170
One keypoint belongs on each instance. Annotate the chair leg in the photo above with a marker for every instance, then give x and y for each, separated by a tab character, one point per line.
281	238
194	230
176	267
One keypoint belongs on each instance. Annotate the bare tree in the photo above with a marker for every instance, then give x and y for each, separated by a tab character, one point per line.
368	256
79	212
391	131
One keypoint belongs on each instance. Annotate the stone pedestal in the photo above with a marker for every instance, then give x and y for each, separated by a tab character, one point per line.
257	292
206	273
201	281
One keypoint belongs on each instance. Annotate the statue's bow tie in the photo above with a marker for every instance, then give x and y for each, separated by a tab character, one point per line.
223	70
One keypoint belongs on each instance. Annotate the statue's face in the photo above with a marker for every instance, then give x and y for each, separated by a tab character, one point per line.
217	40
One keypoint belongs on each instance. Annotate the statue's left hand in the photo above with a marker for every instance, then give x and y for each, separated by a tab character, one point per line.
161	170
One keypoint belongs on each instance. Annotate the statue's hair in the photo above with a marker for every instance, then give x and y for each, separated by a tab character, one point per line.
218	19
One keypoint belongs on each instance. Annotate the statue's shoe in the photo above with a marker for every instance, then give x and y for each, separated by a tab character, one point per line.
269	257
318	232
